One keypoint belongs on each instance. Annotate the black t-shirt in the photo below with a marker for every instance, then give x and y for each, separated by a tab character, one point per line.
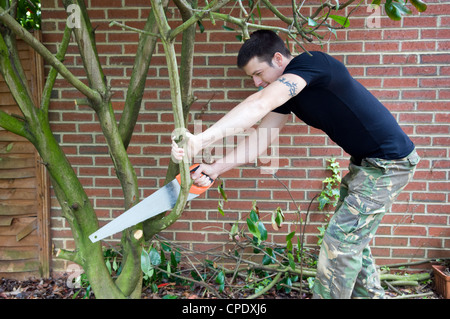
348	113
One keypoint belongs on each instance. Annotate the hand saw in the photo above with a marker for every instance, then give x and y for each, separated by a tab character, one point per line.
160	201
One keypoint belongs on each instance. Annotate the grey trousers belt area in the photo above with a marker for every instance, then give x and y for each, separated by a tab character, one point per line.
409	161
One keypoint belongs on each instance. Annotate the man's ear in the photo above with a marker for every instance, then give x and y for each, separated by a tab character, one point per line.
278	59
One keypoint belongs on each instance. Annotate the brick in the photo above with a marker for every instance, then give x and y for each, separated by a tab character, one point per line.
419	46
381	46
435	58
408	253
400	34
432	106
420	70
400	59
346	47
434	82
419	94
391	241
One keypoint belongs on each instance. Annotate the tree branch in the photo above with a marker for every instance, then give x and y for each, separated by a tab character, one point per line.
177	108
146	47
15	27
16	82
85	38
14	125
186	73
68	255
213	6
50	82
267	288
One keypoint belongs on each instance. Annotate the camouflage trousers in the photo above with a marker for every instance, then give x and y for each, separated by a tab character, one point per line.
345	267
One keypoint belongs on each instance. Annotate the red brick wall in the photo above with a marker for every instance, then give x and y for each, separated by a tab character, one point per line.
404	63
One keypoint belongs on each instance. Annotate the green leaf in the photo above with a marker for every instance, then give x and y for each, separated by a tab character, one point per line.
115	265
291	261
169	270
280	216
253	229
222	192
396	9
108	266
166	246
155	257
277	218
343	21
254	216
311	281
173	260
220	208
256	245
227	28
311	22
290	236
289	240
323	200
269	258
262	230
145	262
288	283
234	229
220	279
333	31
201	26
419	5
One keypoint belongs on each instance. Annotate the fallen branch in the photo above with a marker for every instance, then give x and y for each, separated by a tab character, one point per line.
406	278
404	283
414	296
201	283
267	288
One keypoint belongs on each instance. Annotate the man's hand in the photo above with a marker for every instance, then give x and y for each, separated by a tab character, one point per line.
190	147
177	152
199	176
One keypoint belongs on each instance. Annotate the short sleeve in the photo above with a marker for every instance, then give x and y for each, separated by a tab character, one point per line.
283	109
311	68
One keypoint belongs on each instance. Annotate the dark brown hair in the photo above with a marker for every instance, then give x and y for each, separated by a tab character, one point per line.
262	44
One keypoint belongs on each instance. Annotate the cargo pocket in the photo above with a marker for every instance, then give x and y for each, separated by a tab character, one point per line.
356	220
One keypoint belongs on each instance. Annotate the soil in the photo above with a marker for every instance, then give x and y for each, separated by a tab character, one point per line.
56	288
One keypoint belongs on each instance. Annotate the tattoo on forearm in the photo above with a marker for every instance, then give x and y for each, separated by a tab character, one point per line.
292	86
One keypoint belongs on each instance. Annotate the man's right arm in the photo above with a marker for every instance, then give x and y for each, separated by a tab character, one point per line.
250	111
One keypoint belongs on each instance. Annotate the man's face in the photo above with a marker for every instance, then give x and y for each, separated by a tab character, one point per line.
261	72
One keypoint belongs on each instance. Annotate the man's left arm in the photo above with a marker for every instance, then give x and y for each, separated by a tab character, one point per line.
247	150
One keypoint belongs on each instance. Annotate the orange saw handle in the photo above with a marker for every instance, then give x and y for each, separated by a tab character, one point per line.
194	188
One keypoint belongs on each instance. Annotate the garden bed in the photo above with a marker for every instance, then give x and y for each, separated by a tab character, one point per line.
56	288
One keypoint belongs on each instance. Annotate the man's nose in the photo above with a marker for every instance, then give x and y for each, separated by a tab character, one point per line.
257	81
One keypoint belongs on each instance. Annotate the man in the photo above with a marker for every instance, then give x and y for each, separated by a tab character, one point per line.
320	91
